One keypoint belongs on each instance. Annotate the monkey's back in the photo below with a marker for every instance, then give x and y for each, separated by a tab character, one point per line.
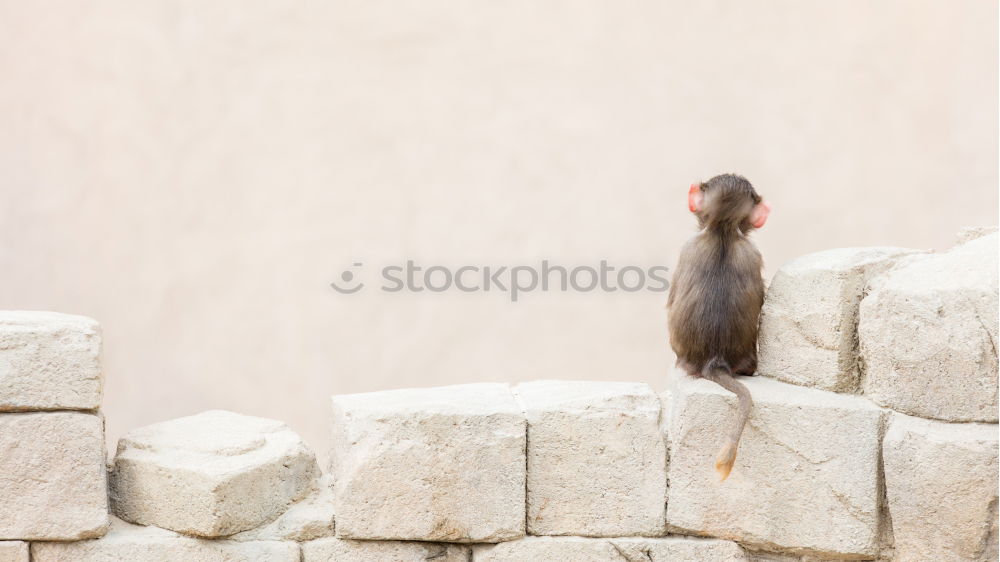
715	301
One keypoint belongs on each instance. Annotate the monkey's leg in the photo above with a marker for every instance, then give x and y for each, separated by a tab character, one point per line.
747	367
687	368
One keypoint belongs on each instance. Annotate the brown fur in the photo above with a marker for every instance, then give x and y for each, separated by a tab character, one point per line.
716	296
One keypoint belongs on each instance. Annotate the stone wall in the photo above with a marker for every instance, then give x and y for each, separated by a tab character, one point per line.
873	437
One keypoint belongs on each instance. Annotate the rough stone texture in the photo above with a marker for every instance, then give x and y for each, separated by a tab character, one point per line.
806	476
760	556
437	464
211	474
579	549
150	544
346	550
928	334
49	361
764	556
14	551
308	519
971	233
808	322
53	482
670	549
941	483
596	459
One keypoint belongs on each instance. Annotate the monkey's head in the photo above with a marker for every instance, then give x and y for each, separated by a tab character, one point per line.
727	201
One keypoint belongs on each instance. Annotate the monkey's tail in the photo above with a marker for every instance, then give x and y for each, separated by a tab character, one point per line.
718	371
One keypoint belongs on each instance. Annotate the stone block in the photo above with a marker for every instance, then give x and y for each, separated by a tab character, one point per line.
49	361
53	479
808	322
580	549
437	464
596	459
346	550
806	475
941	484
305	520
928	333
14	551
210	475
150	544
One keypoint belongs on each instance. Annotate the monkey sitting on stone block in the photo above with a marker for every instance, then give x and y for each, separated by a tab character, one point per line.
717	293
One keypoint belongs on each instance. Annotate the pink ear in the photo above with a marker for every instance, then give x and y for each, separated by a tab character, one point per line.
695	197
758	216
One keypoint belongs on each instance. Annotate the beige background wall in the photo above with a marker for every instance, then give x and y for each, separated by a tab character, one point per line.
194	174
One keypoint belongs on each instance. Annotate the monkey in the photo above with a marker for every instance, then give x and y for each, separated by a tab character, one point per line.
716	295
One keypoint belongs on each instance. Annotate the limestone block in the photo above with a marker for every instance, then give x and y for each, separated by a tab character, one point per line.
13	551
305	520
346	550
53	482
212	474
928	334
806	476
596	459
580	549
808	322
150	544
941	484
49	361
436	464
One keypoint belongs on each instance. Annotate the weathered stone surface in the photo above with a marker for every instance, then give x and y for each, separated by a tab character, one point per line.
305	520
49	361
762	556
669	549
579	549
941	483
346	550
806	476
211	474
14	551
808	322
971	233
928	335
53	483
150	544
596	459
437	464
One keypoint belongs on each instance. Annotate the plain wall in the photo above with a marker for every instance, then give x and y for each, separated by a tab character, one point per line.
194	174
